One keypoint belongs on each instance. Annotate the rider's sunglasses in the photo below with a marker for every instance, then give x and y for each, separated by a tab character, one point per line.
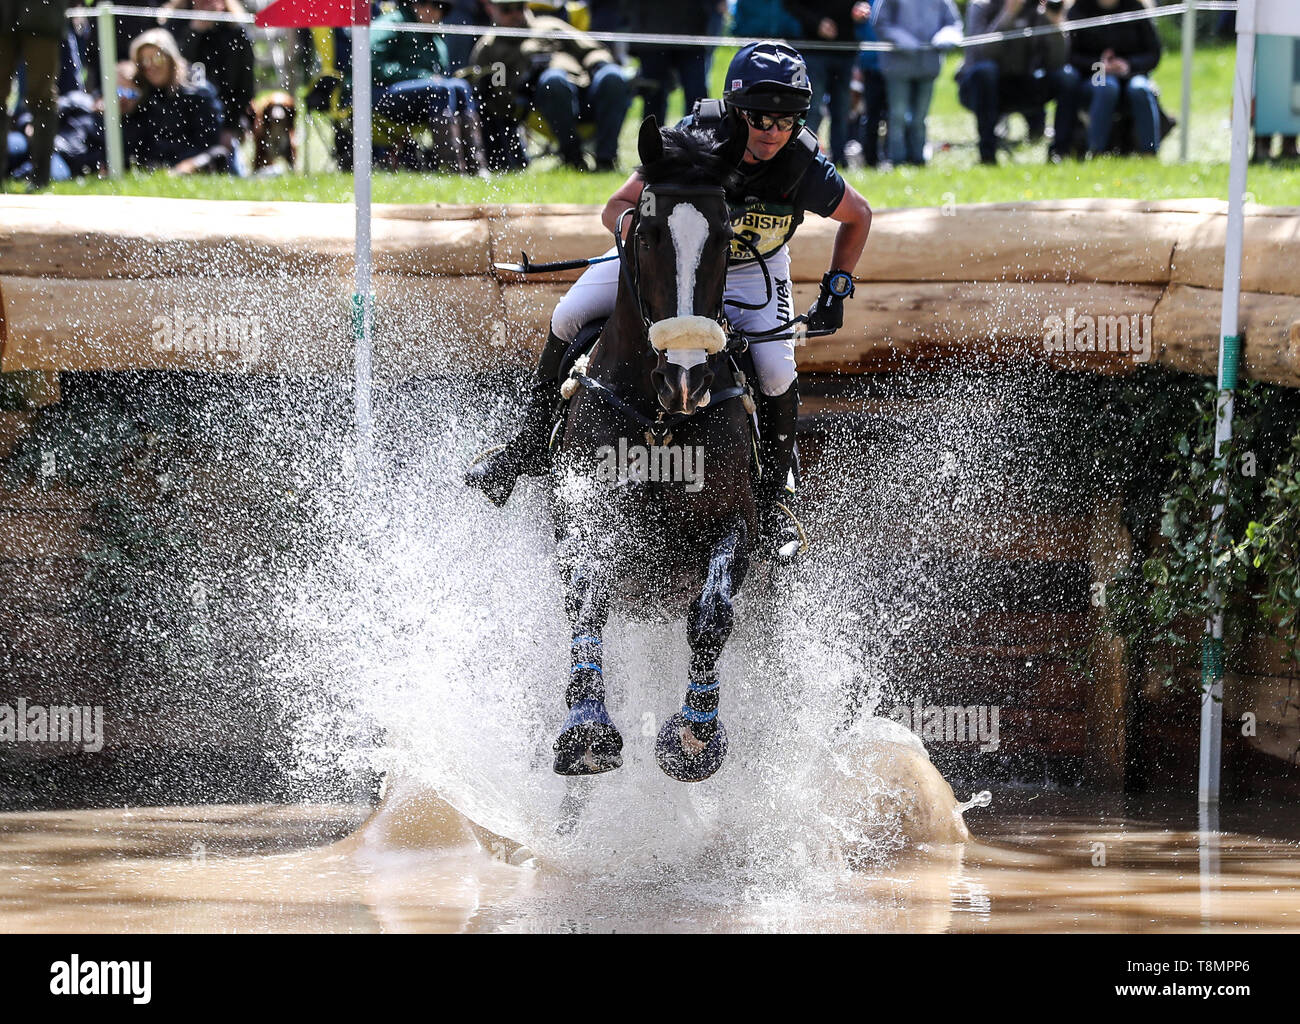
766	122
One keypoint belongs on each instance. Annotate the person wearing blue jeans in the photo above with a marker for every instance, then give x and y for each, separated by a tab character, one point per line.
563	104
1101	94
919	29
1109	65
563	74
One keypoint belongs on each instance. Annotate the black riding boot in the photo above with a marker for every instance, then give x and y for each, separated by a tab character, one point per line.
781	536
495	472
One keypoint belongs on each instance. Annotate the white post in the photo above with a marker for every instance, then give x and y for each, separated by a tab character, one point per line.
362	299
108	87
1189	55
1229	357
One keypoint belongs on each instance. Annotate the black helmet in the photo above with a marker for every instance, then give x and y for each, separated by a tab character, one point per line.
770	76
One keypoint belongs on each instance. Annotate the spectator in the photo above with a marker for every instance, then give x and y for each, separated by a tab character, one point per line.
919	29
868	74
169	121
567	75
831	71
412	85
1015	74
661	63
459	47
126	28
78	146
31	32
1108	65
764	19
224	52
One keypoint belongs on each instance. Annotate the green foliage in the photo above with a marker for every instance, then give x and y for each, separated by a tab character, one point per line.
1272	543
1213	551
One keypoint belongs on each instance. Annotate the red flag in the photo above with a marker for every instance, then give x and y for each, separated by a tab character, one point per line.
314	14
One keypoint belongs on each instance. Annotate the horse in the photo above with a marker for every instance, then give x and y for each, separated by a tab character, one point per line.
658	393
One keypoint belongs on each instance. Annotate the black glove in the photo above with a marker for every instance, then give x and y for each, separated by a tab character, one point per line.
827	313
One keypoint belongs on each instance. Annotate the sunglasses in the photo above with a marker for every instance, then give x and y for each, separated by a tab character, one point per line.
766	122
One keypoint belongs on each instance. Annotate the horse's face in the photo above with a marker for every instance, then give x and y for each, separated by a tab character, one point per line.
679	242
683	233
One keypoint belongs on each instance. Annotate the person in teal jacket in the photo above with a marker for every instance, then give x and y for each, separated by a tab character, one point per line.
412	84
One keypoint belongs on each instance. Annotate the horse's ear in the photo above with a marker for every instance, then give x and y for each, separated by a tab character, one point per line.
650	144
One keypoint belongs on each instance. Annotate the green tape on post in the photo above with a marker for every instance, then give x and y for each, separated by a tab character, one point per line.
359	313
1231	361
1211	661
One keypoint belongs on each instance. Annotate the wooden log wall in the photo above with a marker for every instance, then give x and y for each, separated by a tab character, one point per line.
125	283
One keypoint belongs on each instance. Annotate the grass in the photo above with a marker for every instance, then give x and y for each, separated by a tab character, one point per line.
952	176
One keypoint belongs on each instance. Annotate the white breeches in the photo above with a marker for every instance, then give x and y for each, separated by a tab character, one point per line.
593	295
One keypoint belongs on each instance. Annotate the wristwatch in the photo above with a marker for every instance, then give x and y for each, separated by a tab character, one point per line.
839	284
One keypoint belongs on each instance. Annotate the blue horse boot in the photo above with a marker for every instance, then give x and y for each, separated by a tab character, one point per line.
588	744
684	755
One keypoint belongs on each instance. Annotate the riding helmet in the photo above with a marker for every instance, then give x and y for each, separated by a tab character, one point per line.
768	76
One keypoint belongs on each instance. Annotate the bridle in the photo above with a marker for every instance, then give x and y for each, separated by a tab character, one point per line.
630	268
658	430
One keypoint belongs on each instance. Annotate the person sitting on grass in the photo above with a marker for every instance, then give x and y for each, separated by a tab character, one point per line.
169	121
413	87
1015	74
565	74
224	50
1109	64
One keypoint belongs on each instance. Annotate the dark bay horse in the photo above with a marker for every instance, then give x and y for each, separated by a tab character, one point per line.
653	497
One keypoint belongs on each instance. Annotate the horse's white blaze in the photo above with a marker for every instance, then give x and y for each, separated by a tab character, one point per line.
690	230
686	357
687	339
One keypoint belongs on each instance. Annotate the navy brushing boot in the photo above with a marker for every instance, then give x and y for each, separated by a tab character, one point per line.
589	743
692	745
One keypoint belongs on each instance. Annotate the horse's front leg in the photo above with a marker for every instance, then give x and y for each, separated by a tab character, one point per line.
693	743
589	743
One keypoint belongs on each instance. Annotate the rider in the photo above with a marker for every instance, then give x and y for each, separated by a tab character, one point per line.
781	176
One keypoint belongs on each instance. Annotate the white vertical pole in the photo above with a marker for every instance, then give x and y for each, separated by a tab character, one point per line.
1229	357
1189	56
362	299
108	88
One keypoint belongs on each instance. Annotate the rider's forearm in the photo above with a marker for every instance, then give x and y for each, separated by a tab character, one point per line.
850	240
613	210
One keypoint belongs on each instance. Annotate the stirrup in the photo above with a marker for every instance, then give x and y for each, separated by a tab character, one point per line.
790	541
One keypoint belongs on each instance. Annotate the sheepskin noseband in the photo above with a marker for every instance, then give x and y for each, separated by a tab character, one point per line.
687	339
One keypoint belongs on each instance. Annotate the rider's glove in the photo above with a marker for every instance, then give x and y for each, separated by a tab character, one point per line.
827	313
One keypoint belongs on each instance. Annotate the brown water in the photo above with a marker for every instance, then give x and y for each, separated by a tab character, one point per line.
303	868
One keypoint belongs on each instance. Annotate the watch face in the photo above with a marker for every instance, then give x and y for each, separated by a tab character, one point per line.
840	284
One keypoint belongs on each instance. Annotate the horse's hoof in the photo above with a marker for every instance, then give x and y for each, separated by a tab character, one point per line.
682	756
588	744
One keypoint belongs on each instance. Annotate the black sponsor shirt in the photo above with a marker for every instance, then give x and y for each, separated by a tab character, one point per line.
767	218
